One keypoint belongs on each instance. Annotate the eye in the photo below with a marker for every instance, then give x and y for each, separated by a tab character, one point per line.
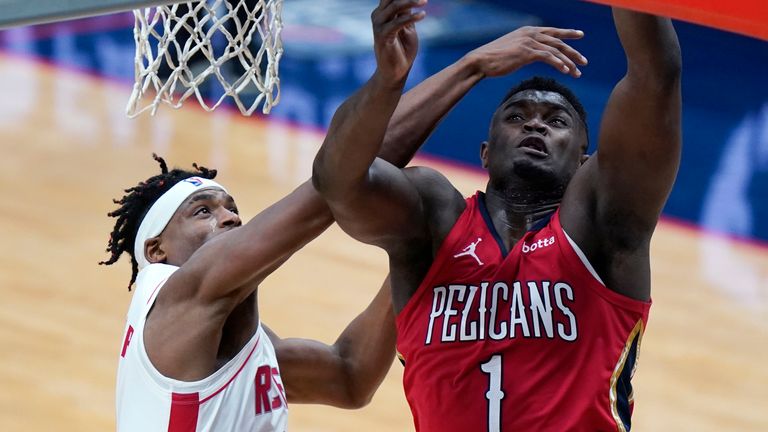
558	121
234	210
202	210
515	117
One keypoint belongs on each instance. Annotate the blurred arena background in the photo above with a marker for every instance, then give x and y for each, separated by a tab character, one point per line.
68	149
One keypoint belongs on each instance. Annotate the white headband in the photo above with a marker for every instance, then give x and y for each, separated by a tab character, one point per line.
163	210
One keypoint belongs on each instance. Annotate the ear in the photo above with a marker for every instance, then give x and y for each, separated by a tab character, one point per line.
484	154
153	250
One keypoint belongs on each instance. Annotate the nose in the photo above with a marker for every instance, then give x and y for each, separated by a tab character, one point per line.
230	218
535	125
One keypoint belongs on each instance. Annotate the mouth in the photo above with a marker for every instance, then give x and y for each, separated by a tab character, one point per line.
534	145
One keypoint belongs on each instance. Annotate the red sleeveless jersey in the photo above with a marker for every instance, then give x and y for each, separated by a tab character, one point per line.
529	340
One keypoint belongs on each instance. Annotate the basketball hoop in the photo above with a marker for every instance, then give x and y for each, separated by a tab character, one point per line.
212	49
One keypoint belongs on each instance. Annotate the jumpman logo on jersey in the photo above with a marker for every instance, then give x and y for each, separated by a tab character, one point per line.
470	250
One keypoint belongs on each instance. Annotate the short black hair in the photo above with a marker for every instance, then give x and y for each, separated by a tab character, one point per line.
548	84
135	204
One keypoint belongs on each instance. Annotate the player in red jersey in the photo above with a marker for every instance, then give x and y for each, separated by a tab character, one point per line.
520	308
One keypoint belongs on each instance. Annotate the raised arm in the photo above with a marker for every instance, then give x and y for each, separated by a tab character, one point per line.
347	373
640	135
623	188
346	171
371	200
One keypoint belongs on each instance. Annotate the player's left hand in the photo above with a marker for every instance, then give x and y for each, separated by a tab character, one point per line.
395	39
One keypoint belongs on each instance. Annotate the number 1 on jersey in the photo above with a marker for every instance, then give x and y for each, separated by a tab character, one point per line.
494	394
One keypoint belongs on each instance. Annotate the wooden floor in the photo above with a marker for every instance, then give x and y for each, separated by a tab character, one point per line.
67	150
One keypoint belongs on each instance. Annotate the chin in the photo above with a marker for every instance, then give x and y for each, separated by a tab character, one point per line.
534	171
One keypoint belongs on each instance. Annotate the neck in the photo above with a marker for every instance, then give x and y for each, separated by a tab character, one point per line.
515	210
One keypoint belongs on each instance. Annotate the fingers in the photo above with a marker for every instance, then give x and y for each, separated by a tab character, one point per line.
560	55
561	33
393	15
402	21
553	37
393	7
565	53
402	7
555	57
564	48
395	38
551	57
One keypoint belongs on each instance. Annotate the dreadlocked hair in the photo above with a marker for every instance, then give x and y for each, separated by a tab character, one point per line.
135	204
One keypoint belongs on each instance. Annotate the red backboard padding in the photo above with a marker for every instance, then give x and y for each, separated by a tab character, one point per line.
749	17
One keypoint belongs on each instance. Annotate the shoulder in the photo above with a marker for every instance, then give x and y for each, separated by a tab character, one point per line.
148	285
589	215
152	276
442	202
434	187
181	286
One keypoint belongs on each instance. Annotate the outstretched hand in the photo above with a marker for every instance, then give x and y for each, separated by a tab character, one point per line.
395	39
527	45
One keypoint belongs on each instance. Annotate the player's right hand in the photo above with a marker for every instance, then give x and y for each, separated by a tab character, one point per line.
394	37
527	45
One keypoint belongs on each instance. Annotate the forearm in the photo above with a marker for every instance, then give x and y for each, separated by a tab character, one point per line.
640	137
650	44
367	347
355	136
289	224
422	108
347	373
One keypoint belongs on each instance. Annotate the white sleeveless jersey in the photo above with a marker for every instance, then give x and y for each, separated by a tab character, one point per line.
244	395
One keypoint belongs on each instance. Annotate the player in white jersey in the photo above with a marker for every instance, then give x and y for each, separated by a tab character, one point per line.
195	355
245	394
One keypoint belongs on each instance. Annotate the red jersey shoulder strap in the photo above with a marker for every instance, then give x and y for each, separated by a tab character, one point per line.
455	235
576	259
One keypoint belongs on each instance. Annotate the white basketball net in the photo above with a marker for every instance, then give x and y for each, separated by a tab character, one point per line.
213	49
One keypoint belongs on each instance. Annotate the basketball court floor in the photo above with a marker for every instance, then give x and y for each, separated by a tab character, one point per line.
67	150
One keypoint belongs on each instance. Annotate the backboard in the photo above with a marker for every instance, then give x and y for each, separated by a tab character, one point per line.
25	12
